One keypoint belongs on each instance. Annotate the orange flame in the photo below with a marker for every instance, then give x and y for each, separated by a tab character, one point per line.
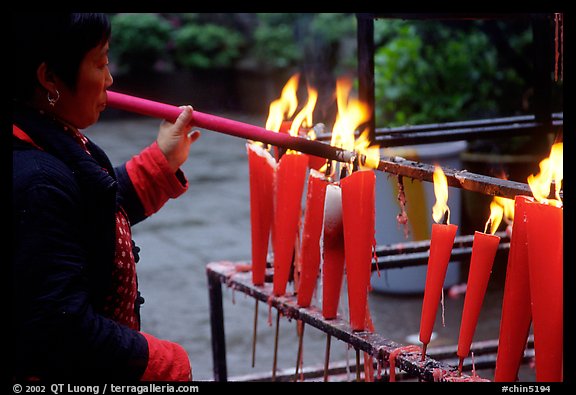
311	134
284	107
304	117
507	207
441	193
506	204
496	214
347	118
371	153
351	114
551	170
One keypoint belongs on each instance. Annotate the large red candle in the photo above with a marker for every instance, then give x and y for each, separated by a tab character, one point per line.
332	252
290	177
311	232
545	230
441	243
314	162
285	129
261	167
358	192
516	311
484	249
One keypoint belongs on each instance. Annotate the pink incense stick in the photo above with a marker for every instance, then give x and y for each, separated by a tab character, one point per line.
169	112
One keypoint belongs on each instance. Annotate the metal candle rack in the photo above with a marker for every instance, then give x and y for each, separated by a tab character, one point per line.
408	253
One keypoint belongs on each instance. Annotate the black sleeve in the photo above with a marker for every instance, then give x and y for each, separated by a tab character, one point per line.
128	198
55	331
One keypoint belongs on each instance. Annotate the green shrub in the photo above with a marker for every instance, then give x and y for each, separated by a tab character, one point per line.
139	40
274	43
206	46
427	72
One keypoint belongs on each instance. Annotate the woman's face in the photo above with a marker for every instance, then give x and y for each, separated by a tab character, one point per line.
82	107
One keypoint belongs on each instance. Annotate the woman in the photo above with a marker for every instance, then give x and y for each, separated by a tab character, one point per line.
75	311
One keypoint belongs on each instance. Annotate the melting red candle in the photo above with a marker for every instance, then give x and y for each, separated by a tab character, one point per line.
333	252
538	230
358	192
516	311
290	177
261	171
351	207
314	162
441	242
285	129
544	234
484	249
311	233
545	257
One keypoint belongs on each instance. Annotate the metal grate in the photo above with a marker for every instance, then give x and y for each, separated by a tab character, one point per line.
408	253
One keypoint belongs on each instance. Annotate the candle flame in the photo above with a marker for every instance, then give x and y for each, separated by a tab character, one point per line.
441	193
351	114
304	117
371	153
496	214
348	118
507	207
285	106
311	134
551	171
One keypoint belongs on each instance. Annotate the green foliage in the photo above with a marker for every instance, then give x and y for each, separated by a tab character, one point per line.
206	46
315	42
274	43
202	40
333	26
428	72
138	40
425	71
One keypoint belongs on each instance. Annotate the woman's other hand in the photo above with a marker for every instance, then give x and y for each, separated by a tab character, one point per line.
175	139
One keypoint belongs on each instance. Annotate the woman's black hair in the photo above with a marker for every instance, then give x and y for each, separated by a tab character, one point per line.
59	40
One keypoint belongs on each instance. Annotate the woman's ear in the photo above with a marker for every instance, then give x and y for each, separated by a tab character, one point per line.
46	78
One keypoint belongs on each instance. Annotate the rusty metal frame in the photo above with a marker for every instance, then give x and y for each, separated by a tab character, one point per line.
219	273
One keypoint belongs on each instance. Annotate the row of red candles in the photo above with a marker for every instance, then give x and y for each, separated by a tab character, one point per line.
534	278
344	215
333	210
533	289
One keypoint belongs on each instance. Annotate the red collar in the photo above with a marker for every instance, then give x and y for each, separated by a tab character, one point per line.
21	135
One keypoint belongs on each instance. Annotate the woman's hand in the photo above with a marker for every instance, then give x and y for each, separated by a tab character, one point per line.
175	139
